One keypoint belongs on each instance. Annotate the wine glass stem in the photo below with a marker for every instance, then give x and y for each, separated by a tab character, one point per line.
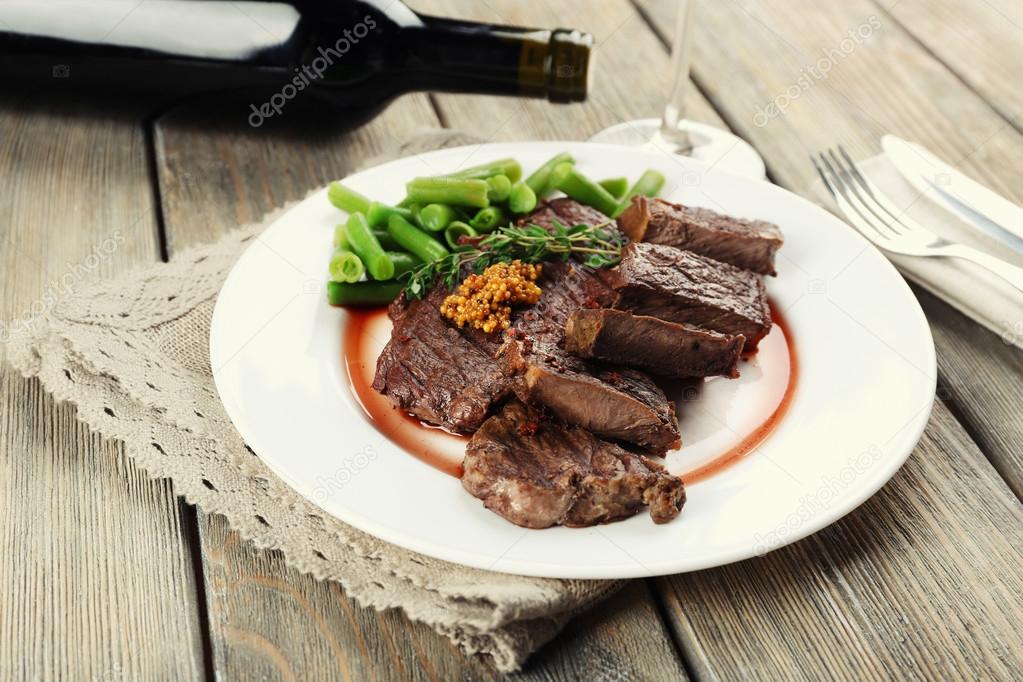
681	47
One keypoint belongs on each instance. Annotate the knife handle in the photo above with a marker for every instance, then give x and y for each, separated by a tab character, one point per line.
1010	273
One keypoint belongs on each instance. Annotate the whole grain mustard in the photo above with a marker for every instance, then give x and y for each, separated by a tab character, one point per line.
485	301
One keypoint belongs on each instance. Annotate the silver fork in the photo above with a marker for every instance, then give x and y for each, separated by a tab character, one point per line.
883	223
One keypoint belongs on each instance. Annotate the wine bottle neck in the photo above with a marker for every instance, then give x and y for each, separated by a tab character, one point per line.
456	56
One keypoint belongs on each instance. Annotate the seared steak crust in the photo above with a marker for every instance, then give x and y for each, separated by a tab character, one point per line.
748	244
663	348
613	402
536	473
437	372
681	286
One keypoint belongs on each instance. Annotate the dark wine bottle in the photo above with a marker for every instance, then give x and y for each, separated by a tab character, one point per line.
347	56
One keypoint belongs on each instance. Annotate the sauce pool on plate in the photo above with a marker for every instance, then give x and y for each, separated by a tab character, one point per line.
367	330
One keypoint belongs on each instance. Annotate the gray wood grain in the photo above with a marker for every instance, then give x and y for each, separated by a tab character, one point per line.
268	621
97	579
977	41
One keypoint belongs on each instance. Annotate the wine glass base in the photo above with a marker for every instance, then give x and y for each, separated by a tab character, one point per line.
713	146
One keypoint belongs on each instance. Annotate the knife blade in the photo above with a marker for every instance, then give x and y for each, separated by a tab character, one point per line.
958	193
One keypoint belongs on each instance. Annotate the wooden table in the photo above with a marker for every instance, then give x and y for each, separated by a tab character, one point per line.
107	575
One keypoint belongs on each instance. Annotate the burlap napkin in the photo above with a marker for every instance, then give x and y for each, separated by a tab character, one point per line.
969	288
132	355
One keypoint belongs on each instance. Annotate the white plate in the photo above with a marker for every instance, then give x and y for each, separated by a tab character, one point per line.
866	385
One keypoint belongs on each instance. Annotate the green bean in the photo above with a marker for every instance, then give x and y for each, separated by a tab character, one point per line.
449	191
340	239
345	266
414	240
489	218
499	187
367	247
404	203
385	239
377	213
585	191
558	175
649	185
507	167
348	200
522	198
616	187
363	293
403	262
458	229
435	217
537	181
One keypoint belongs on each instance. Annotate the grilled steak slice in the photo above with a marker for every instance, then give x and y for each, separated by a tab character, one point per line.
748	244
536	473
440	374
681	286
617	403
664	348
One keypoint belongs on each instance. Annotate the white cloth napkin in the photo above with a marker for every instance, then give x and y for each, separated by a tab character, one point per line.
969	288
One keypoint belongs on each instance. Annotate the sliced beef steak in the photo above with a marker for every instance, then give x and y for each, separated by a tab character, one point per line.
536	473
440	374
660	347
681	286
613	402
748	244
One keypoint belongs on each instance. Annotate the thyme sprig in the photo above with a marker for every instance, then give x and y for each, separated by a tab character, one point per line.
598	246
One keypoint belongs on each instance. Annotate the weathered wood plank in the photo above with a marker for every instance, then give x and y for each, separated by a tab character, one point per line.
267	620
97	580
975	40
981	379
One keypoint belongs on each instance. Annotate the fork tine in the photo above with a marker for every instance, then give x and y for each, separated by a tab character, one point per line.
846	173
901	222
861	219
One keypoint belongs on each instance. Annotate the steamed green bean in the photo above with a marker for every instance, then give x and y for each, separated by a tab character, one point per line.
649	185
616	187
403	262
345	266
414	240
510	168
348	200
522	199
489	218
363	293
499	187
365	244
446	190
435	217
458	229
537	180
585	191
377	213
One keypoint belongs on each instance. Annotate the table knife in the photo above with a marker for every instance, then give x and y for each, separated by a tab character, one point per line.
958	193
